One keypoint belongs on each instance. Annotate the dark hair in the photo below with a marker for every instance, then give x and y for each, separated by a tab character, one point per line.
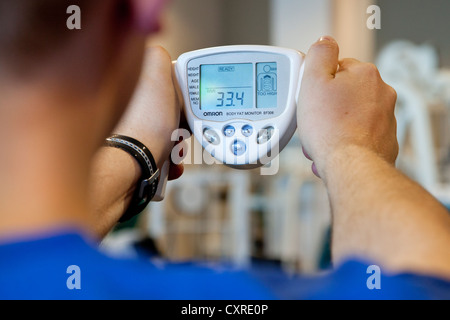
30	29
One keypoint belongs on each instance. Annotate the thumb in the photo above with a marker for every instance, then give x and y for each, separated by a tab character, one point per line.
322	59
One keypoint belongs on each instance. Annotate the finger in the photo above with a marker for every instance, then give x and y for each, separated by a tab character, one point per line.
315	171
182	147
322	59
175	171
184	123
305	153
347	63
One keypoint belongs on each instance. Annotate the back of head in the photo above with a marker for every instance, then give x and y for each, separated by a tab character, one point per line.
73	76
30	30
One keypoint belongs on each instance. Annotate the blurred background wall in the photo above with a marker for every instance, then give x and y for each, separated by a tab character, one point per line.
417	21
194	24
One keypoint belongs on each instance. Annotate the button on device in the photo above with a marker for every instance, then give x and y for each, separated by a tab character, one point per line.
265	135
238	148
247	130
211	136
229	131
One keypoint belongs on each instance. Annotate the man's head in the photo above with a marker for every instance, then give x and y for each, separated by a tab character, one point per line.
61	93
31	30
95	68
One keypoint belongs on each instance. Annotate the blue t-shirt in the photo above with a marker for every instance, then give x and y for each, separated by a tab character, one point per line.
69	266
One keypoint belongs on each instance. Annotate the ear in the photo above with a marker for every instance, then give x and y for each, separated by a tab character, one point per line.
145	14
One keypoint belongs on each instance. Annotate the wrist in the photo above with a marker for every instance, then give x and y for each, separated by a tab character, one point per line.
115	175
127	170
160	150
159	144
148	182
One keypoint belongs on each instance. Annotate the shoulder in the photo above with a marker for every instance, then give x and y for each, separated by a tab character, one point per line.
362	280
69	267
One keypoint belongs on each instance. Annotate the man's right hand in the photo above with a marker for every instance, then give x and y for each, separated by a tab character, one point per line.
348	128
344	103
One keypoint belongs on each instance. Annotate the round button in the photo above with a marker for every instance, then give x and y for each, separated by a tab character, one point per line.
247	130
229	131
238	148
265	135
211	136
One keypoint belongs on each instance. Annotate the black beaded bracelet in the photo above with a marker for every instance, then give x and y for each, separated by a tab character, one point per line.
148	183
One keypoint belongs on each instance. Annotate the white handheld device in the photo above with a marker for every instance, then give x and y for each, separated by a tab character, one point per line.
241	101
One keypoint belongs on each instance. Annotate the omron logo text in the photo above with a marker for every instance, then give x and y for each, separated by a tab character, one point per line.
212	114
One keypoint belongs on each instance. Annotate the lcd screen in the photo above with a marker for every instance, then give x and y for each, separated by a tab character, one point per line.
227	86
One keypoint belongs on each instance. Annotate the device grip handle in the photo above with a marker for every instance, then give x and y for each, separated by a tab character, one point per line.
161	191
